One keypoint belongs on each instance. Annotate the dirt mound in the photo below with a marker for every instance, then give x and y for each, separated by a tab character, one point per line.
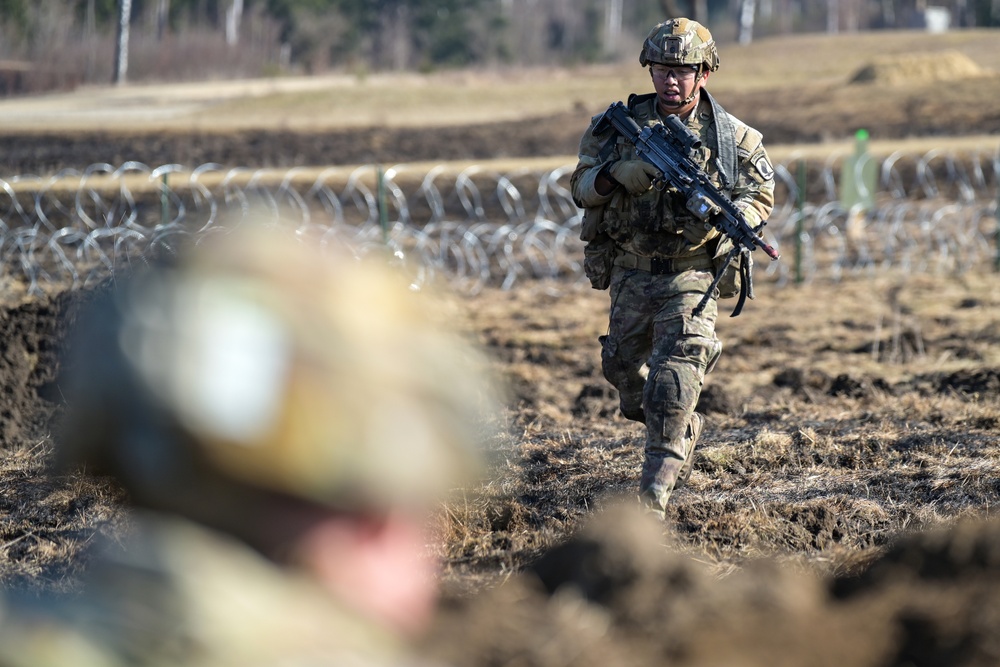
919	68
612	595
32	334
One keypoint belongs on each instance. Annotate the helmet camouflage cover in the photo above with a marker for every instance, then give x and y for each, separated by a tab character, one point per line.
259	358
680	42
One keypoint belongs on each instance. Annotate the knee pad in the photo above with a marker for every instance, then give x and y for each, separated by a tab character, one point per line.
714	353
669	399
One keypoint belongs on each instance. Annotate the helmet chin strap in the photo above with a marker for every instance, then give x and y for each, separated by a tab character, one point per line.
683	102
694	93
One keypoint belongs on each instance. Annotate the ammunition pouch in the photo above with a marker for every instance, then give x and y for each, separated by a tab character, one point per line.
598	259
599	251
592	225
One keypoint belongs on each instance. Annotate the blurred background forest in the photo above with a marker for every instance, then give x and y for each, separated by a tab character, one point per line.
61	44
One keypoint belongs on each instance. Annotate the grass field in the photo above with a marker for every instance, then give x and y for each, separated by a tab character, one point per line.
807	62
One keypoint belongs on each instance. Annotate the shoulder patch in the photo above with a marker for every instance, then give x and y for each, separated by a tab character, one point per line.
763	167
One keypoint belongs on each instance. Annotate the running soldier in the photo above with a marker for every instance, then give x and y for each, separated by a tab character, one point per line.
657	258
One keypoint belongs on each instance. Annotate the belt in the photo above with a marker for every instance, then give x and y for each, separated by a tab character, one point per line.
658	266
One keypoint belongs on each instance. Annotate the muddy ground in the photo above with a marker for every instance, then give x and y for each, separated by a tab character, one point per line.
845	420
842	418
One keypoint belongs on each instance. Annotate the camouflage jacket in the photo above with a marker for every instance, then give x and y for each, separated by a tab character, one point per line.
657	224
180	595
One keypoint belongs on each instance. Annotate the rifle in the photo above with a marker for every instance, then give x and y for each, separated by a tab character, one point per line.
668	147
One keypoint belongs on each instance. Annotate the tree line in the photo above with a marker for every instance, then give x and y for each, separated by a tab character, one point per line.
100	40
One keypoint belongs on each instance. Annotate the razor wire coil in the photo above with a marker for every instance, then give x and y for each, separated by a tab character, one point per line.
478	227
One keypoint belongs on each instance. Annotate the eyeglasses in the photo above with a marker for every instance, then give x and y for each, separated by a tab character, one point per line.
679	72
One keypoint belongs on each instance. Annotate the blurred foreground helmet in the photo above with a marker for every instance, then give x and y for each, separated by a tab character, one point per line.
257	359
680	42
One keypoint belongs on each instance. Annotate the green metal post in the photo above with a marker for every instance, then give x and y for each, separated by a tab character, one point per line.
800	222
996	259
858	176
164	201
383	214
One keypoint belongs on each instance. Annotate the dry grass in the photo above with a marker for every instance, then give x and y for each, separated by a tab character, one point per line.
816	453
803	60
809	62
47	523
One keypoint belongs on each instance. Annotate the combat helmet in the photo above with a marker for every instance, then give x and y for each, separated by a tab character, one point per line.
680	41
256	361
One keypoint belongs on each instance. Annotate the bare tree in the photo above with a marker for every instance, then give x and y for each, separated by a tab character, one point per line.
699	11
747	12
392	43
852	17
888	13
613	30
694	9
90	19
670	8
786	19
162	17
121	43
234	16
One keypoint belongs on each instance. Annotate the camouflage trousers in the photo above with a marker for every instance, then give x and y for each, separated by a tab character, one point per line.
656	354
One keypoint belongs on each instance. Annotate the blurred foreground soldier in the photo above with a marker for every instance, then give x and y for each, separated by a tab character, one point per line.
659	259
283	423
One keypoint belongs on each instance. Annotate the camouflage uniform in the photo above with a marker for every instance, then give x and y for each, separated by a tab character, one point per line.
254	390
179	595
658	261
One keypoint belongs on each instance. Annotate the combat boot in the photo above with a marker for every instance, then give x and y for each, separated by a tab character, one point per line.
694	432
660	471
663	471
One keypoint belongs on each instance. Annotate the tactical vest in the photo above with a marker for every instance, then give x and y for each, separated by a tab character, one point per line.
723	145
649	224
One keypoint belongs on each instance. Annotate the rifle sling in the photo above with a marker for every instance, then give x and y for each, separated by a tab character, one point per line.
746	284
725	141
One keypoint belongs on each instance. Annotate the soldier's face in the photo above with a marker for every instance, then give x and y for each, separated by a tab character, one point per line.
674	84
377	565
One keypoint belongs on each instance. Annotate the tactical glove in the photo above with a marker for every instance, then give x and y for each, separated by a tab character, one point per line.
636	176
697	232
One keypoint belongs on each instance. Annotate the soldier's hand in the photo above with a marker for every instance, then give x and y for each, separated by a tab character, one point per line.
636	176
697	232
